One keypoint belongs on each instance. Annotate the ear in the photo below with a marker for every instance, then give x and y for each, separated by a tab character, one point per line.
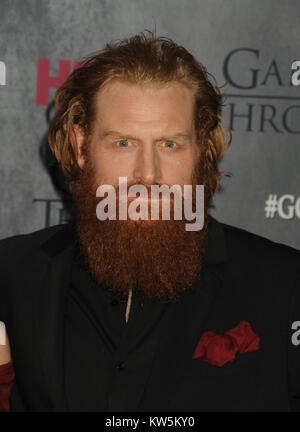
77	138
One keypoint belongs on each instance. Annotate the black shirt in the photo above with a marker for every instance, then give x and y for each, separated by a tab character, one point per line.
103	352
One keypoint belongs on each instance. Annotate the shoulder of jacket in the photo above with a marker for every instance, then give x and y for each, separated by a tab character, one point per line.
24	243
242	243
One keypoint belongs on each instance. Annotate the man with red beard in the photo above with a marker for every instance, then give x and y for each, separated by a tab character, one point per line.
141	256
144	315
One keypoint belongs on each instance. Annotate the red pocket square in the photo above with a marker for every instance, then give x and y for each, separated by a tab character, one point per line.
220	349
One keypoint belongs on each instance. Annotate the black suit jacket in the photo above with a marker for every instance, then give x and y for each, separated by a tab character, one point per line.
244	277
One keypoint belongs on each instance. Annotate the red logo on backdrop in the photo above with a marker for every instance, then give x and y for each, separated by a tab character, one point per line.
46	82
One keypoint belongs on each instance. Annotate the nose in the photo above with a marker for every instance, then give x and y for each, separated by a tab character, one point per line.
147	168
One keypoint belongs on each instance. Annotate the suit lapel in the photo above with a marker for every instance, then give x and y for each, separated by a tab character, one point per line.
50	312
171	350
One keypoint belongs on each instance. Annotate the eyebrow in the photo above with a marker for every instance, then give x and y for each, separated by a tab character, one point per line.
117	134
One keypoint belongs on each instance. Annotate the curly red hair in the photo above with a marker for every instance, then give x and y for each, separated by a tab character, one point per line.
144	60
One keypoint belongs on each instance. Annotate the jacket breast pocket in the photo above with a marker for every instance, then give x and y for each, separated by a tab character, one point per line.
245	363
232	387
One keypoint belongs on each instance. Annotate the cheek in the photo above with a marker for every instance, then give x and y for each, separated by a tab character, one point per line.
108	169
181	171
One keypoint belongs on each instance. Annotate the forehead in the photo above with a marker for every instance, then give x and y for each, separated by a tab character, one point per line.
170	104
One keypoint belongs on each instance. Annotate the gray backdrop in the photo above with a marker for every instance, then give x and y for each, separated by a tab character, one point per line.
249	43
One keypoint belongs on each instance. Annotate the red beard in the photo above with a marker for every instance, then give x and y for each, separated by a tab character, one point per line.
159	259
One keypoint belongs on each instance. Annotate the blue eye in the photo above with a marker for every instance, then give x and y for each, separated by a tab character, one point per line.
123	143
170	142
